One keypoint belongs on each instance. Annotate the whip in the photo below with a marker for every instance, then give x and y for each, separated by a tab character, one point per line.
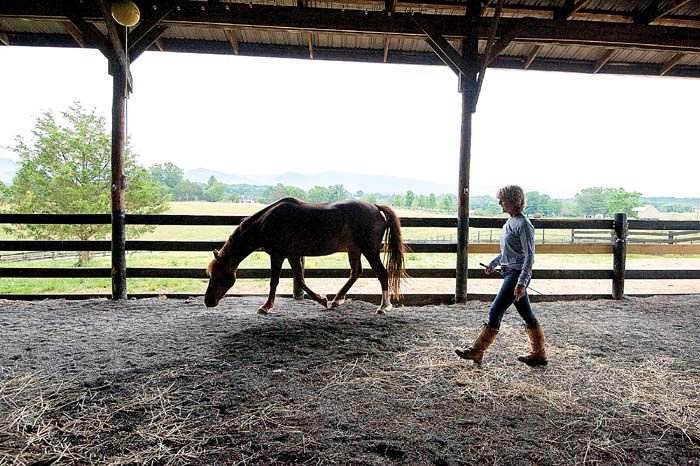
500	272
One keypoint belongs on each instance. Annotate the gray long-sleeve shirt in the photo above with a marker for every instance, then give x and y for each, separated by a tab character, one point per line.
517	248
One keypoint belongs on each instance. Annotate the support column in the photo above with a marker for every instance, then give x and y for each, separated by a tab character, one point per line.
118	186
619	256
468	88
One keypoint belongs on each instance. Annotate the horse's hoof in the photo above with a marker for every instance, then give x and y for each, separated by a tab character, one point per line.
263	310
382	309
323	301
336	303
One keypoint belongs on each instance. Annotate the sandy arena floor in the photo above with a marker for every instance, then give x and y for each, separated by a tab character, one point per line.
172	382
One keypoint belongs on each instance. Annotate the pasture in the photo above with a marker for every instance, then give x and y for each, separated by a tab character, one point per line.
171	382
261	260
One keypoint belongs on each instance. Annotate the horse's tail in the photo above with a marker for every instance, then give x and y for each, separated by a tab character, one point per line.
395	250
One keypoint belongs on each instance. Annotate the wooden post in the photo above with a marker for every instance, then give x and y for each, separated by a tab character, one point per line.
619	256
297	292
118	184
468	88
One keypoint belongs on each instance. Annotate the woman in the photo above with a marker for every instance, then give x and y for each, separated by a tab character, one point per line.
516	259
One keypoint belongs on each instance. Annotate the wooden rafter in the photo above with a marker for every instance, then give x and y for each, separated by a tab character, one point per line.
571	7
4	40
390	5
654	12
387	39
75	33
489	47
502	43
441	47
603	60
673	61
115	41
231	36
160	44
532	56
227	15
310	41
144	29
146	42
92	36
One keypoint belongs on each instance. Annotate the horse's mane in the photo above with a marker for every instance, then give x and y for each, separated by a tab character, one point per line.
247	225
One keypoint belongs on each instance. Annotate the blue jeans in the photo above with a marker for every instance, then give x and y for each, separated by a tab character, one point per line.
505	298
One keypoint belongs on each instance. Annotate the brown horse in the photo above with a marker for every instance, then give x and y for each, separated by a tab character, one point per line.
291	229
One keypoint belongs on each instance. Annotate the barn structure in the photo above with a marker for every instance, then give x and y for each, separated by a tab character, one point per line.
630	37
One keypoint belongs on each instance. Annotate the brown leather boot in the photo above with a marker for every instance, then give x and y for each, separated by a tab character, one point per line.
476	351
538	355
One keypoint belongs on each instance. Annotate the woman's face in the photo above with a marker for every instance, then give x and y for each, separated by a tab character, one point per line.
507	207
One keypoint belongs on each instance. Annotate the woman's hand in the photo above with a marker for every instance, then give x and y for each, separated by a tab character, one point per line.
519	292
490	270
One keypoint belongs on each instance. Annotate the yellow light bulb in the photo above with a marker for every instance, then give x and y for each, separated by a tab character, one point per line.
125	12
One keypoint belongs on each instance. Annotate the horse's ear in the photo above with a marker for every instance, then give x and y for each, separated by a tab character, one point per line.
216	254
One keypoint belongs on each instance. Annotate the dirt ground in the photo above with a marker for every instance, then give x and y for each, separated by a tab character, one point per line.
172	382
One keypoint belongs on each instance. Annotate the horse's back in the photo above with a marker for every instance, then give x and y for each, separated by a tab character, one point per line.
294	227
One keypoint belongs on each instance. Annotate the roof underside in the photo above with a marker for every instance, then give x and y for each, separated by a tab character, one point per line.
640	37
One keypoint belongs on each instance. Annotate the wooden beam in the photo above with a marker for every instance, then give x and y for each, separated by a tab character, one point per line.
655	11
603	60
673	61
310	41
231	36
74	33
487	53
531	57
597	33
117	44
571	7
160	44
390	6
441	47
149	22
146	42
4	40
387	39
502	43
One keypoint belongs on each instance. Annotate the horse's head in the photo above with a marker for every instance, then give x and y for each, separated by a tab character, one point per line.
222	276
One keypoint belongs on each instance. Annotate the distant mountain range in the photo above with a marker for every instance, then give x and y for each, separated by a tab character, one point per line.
351	181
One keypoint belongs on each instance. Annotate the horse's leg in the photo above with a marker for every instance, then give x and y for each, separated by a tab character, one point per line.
355	271
275	268
298	272
376	262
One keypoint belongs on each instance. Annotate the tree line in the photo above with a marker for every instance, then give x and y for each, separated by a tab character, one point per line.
65	168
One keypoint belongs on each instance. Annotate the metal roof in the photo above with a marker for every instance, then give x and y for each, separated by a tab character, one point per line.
642	37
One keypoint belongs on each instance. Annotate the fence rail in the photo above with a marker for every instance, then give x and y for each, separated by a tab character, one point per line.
616	229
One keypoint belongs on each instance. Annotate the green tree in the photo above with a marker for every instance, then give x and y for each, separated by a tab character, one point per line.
409	198
167	173
397	200
621	201
338	193
215	191
187	190
431	202
319	194
65	168
591	201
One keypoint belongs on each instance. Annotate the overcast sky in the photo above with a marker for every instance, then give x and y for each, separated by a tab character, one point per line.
552	132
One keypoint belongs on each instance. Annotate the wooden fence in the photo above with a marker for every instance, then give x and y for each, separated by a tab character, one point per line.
619	249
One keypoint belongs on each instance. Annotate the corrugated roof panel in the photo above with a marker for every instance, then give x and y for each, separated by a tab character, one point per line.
35	26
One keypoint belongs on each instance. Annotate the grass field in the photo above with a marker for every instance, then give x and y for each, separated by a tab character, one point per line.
261	260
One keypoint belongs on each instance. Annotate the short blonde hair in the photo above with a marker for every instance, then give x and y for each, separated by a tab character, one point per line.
514	195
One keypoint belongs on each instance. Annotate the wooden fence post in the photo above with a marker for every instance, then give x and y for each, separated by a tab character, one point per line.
619	256
297	292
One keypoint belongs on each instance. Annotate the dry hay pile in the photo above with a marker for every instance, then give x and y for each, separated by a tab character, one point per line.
347	387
